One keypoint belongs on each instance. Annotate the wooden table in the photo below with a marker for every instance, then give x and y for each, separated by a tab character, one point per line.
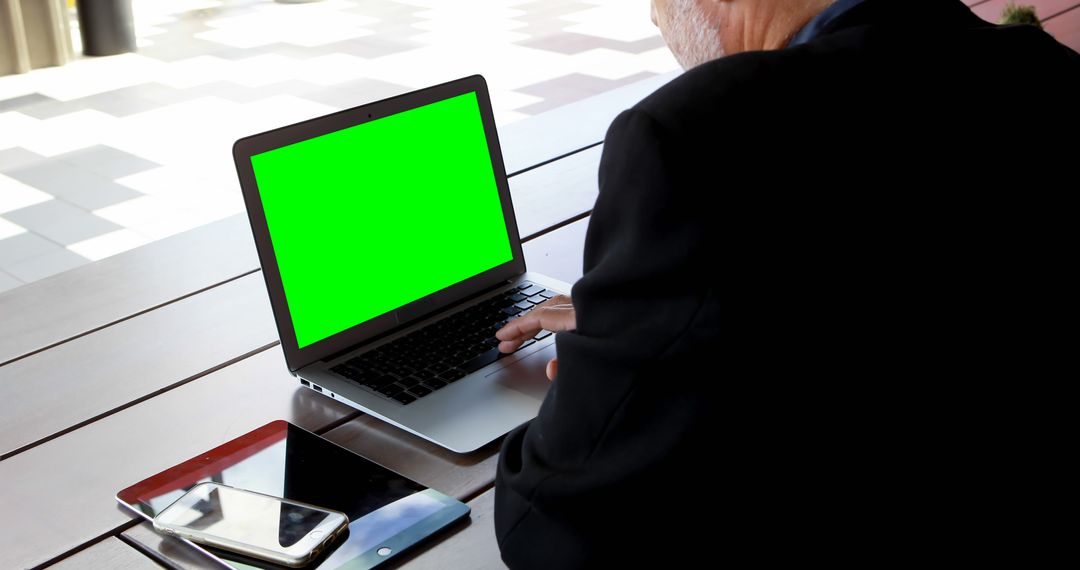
121	368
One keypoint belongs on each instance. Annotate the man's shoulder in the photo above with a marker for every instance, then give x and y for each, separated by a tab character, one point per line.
850	68
733	76
720	89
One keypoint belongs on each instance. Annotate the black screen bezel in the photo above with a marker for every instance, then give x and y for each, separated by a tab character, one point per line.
245	148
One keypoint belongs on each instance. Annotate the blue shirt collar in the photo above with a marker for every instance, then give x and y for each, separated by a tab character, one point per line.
814	27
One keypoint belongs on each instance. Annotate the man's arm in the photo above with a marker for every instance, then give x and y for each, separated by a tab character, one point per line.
625	408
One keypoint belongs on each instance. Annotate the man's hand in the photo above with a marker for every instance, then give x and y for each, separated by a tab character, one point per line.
555	315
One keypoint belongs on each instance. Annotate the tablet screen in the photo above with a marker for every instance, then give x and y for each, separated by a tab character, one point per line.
387	511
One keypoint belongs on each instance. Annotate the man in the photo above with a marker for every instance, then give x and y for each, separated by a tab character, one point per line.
804	256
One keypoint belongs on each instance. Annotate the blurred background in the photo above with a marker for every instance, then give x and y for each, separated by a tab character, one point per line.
103	154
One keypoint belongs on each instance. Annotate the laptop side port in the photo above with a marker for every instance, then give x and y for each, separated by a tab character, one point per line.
305	382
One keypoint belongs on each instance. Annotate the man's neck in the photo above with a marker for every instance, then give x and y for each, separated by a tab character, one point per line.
795	20
814	26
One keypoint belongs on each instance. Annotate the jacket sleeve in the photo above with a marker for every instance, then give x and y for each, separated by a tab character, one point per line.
621	415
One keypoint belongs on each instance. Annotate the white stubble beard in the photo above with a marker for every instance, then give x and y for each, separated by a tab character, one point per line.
694	40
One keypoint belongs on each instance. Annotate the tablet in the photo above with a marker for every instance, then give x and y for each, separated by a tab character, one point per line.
388	512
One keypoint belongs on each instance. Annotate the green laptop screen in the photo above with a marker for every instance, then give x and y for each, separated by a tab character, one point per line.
370	218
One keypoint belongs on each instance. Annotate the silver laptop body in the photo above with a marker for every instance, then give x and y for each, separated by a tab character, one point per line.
467	412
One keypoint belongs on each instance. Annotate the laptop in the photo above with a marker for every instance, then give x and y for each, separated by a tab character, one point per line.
391	256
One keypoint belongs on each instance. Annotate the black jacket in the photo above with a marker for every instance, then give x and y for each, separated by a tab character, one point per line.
803	274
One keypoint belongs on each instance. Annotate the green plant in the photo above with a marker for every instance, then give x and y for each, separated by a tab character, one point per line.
1014	14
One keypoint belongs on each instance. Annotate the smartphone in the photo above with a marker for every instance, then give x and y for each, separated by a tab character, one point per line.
253	524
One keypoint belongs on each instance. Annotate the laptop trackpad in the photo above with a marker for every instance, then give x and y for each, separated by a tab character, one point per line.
528	375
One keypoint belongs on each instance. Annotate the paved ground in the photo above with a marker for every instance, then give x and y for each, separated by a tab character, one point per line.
106	154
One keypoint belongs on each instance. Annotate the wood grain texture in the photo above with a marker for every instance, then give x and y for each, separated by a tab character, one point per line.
58	308
556	192
110	553
65	488
549	135
559	254
92	375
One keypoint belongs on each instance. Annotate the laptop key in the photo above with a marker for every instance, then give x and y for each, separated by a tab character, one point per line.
527	343
537	299
404	398
374	383
434	384
409	381
542	335
548	294
452	375
391	390
525	285
419	391
353	374
534	290
524	305
481	360
511	310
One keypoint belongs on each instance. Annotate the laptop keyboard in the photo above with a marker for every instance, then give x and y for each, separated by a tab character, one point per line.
445	351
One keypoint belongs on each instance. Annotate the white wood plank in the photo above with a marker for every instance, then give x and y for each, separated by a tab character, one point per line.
556	192
552	134
63	491
94	374
110	554
57	308
559	254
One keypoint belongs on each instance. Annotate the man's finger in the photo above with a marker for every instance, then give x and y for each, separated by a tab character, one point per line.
509	346
554	318
552	368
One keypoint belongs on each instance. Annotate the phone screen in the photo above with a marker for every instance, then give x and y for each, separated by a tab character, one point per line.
386	511
248	518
